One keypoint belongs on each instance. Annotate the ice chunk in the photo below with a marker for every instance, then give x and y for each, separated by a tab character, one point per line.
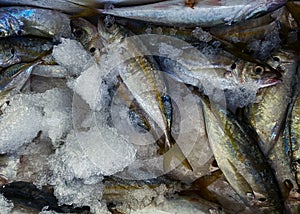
19	125
87	85
57	118
201	34
81	162
71	55
33	165
5	205
28	114
108	150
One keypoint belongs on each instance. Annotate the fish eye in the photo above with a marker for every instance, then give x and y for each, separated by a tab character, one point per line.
92	49
78	33
233	66
276	59
12	51
259	70
262	199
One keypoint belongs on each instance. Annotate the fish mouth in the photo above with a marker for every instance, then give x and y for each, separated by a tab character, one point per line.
269	82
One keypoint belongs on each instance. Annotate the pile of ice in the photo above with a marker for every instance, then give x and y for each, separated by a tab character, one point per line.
5	206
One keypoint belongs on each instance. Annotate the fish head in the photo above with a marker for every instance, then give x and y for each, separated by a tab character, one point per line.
281	58
9	25
8	57
88	36
261	74
108	30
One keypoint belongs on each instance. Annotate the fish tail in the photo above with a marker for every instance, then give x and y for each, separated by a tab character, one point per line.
175	151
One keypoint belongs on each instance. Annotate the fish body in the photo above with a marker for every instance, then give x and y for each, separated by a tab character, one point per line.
293	130
141	76
22	49
203	13
245	32
33	21
295	138
241	160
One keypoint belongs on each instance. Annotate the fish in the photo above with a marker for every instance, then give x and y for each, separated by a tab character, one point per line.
203	14
141	69
268	115
240	159
27	194
20	21
23	49
87	34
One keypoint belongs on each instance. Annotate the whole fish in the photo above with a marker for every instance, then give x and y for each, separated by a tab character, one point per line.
33	21
204	13
150	90
267	116
241	160
22	49
88	36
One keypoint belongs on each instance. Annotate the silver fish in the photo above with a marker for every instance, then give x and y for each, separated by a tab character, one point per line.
269	113
204	13
33	21
150	88
240	159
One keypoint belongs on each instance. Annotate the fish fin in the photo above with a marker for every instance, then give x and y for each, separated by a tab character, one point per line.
176	152
243	185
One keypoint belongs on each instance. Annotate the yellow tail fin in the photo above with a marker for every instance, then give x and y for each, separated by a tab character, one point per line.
176	152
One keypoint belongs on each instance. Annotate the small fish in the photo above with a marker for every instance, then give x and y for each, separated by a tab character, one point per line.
204	13
148	94
22	49
241	160
20	21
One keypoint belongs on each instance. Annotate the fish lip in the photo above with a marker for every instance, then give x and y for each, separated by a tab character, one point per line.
269	82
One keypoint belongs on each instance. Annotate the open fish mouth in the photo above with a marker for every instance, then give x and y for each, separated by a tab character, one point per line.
269	82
